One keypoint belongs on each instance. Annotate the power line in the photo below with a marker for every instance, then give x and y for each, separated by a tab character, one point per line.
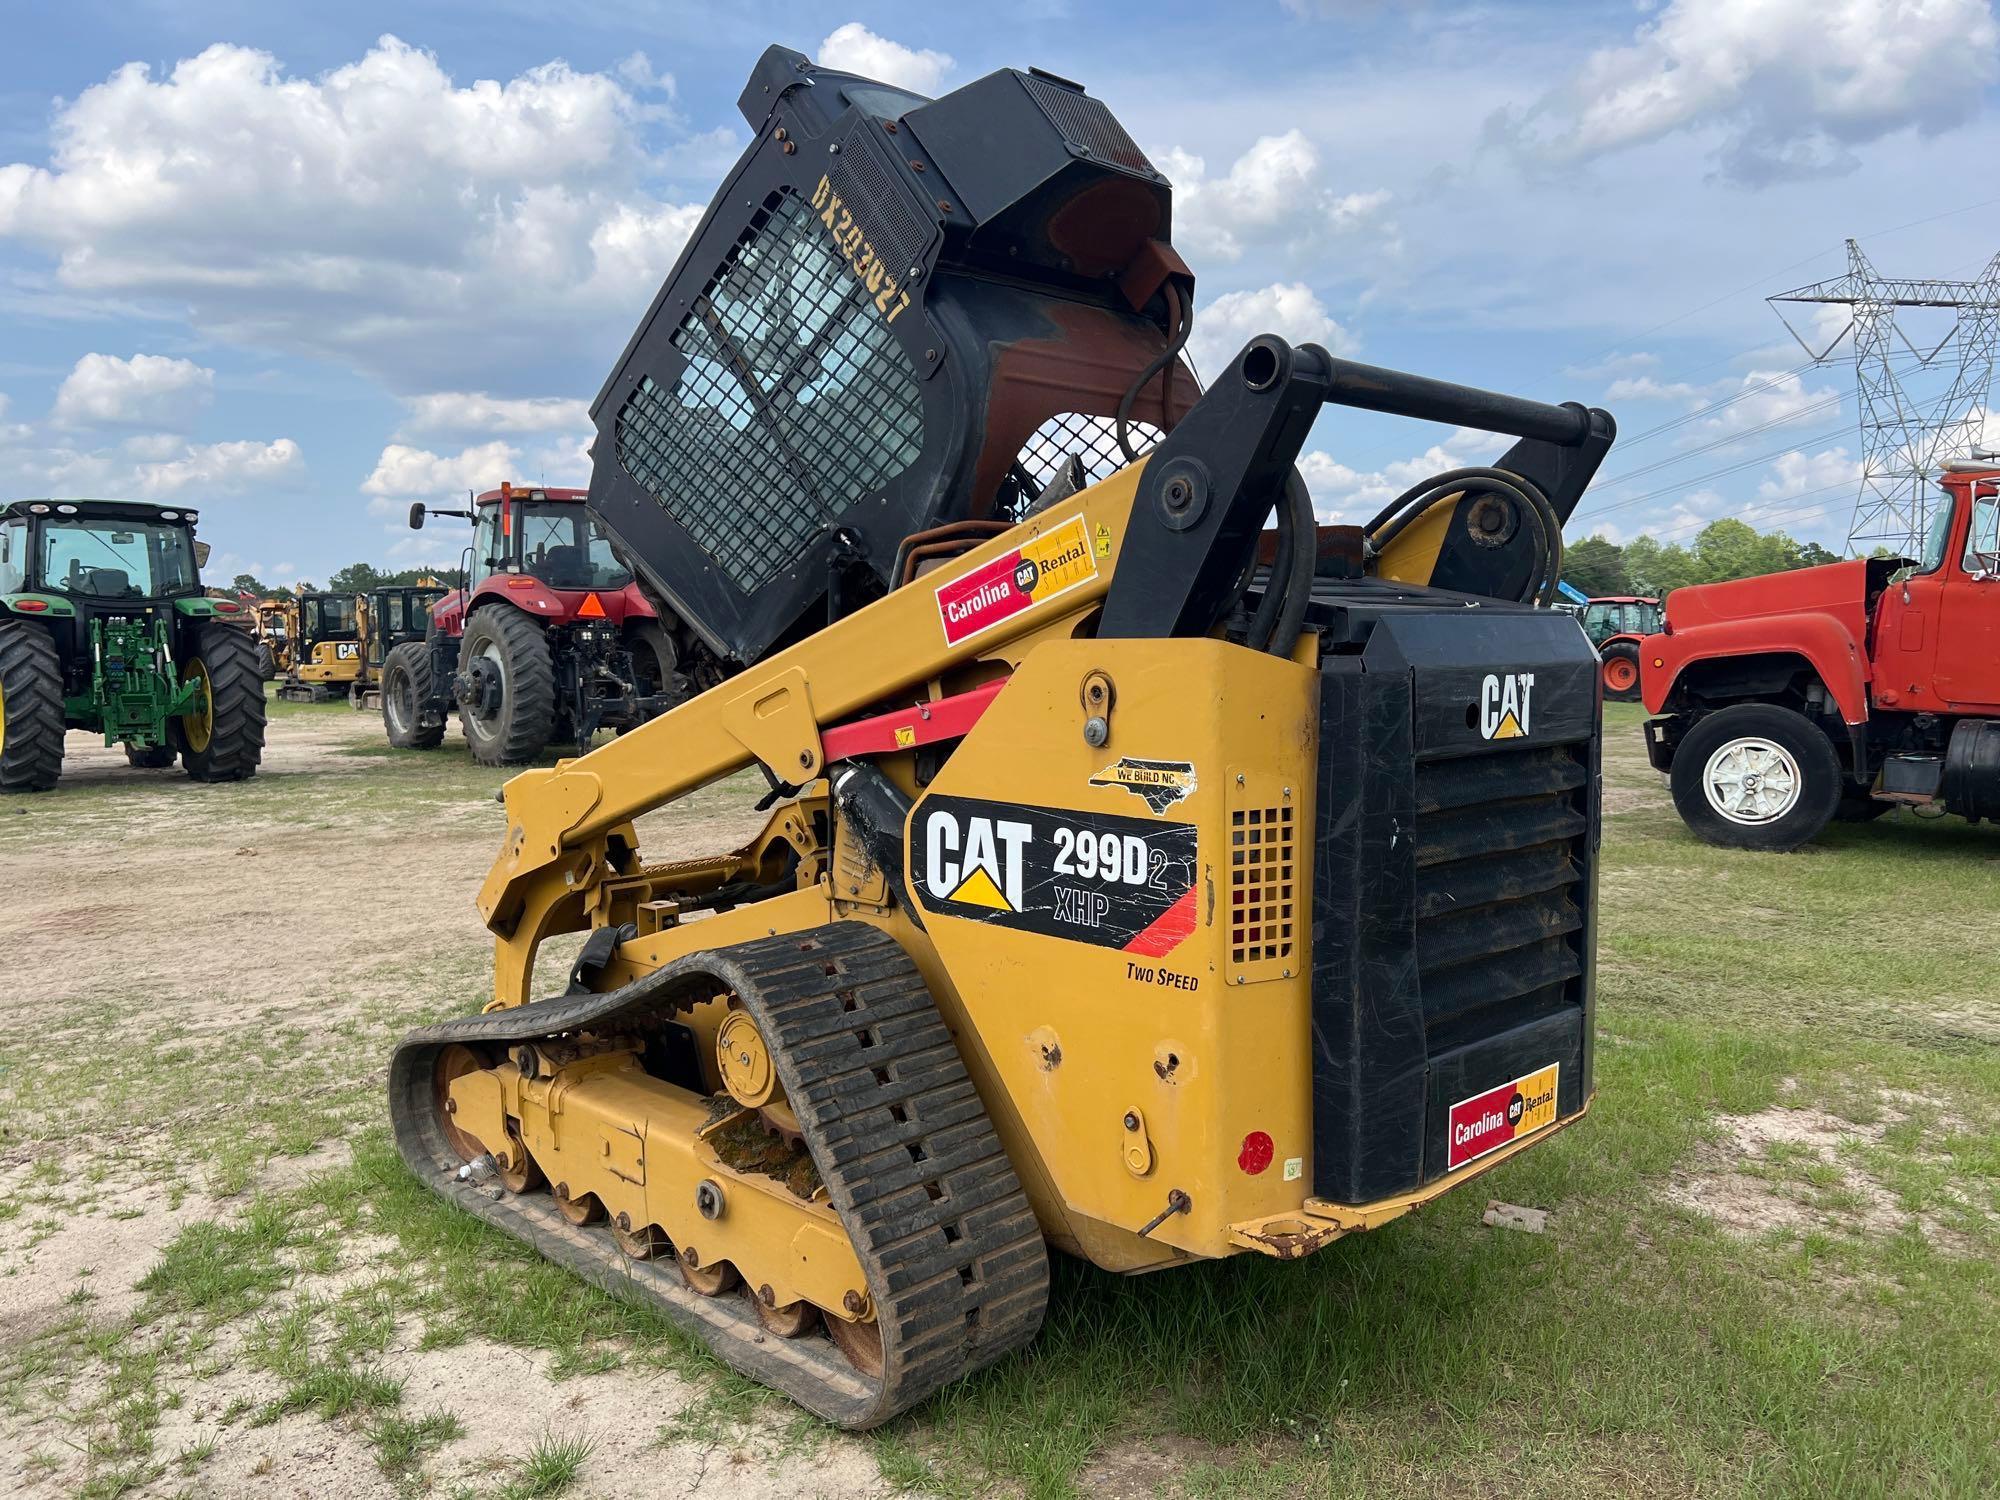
1904	440
1734	467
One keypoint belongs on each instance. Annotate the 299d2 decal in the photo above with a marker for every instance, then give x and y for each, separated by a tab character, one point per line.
1113	882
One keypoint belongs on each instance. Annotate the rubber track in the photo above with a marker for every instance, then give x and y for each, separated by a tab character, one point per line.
31	750
236	732
954	1260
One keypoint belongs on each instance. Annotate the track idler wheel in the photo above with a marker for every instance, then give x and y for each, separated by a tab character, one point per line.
454	1062
860	1343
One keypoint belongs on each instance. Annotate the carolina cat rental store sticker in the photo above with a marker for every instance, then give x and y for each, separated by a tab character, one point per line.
1488	1121
1036	571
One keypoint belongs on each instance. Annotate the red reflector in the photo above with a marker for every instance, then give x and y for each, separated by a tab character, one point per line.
1256	1153
31	606
592	608
227	608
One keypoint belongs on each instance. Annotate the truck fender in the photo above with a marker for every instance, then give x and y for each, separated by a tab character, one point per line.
1826	645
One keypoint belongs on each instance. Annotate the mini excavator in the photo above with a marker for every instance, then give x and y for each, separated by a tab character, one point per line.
1142	878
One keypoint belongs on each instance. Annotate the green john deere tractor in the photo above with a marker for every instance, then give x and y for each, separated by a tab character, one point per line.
104	627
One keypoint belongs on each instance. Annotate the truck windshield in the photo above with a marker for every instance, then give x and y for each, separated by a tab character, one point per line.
102	559
563	545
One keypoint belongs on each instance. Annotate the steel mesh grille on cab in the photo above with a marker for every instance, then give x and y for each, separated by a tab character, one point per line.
795	402
1085	121
1262	862
1499	863
1090	438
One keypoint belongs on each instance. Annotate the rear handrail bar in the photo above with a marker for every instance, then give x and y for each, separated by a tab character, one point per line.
1372	388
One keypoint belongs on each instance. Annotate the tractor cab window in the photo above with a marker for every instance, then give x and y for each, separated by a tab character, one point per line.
13	555
563	545
102	559
1982	538
489	543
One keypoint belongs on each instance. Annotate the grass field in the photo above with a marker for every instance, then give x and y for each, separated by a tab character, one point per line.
1772	1265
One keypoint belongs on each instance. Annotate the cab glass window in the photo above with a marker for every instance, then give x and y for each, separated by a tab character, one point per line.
331	616
565	547
102	559
1935	541
13	556
489	547
1982	539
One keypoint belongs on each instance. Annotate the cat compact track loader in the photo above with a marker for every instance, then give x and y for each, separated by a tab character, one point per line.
1136	882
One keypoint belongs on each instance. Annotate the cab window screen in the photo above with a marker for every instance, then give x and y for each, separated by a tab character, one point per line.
796	401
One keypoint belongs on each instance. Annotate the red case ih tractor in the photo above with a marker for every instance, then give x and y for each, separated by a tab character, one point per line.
1837	692
1615	624
550	640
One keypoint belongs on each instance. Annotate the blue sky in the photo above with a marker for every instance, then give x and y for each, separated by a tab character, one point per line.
260	258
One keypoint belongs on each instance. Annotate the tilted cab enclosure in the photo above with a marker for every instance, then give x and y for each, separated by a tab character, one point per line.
898	313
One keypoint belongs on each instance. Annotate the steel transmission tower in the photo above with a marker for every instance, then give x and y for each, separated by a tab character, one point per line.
1906	438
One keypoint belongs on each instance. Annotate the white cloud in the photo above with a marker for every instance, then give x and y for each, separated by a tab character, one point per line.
104	390
478	411
1617	363
407	473
1353	496
152	467
1768	398
380	214
853	48
213	467
1271	195
1646	388
1783	88
1797	473
1289	309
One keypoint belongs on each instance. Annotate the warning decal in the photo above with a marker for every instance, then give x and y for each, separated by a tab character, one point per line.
1036	571
1114	882
1488	1121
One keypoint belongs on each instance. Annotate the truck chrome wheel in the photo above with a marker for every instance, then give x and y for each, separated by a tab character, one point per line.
1752	781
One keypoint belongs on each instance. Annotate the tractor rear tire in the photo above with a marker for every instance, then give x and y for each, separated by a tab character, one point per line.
226	742
149	757
407	687
31	708
267	664
655	663
1756	776
1620	671
520	726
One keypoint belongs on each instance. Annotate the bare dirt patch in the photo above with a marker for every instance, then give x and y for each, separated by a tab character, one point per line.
218	973
1798	1168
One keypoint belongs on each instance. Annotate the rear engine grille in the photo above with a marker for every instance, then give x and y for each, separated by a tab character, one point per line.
1262	866
1499	859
